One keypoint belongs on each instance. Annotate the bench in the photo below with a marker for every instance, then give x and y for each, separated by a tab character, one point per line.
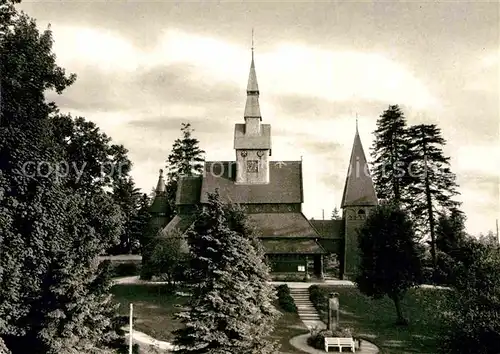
339	343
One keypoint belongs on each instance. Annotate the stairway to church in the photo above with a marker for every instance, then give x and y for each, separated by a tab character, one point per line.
305	308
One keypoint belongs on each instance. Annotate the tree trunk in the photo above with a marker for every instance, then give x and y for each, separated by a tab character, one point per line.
428	197
399	313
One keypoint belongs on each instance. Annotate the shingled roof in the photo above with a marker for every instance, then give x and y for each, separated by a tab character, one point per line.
188	190
181	222
284	246
285	184
329	228
282	224
358	189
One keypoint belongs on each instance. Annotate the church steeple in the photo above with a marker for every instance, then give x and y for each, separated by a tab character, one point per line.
160	187
359	189
252	107
252	140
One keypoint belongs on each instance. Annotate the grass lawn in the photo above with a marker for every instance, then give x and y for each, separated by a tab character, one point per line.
154	311
374	319
154	308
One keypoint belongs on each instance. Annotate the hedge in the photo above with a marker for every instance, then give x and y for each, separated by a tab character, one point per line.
285	299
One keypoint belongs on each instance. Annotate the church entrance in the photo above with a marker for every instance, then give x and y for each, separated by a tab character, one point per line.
295	266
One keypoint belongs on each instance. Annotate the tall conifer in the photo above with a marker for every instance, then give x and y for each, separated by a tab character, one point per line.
389	154
433	186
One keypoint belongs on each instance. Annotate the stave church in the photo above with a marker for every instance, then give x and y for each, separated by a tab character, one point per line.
272	193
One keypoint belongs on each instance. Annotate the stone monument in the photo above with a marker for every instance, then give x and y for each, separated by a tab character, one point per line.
333	311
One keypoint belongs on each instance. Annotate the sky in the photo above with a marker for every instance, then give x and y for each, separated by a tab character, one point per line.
145	67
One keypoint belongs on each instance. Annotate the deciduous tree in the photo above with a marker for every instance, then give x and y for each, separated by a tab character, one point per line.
390	257
472	310
54	296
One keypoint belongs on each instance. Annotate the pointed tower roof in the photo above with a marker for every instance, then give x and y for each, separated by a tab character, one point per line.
160	187
252	107
358	189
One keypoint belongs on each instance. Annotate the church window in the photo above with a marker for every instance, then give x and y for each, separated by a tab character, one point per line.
253	166
361	214
244	153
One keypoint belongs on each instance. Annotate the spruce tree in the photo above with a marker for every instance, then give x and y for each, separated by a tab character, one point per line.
385	240
389	154
433	184
231	309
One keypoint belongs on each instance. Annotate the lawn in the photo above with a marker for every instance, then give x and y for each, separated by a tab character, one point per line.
154	310
374	319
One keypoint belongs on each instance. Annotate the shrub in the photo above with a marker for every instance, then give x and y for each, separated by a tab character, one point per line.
317	338
319	298
285	299
126	269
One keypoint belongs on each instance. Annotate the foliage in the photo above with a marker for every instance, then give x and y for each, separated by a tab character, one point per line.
318	297
472	315
433	184
285	299
125	269
336	214
450	237
231	309
389	153
317	338
488	239
54	295
387	238
169	256
186	159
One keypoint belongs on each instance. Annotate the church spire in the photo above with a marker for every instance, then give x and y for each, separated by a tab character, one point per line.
358	189
160	187
252	107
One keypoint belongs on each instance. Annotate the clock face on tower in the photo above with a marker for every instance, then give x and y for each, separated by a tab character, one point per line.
252	166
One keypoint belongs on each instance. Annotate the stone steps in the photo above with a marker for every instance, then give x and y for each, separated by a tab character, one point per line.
305	308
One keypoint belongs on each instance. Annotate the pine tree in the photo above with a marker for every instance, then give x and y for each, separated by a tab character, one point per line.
186	159
433	184
231	310
54	296
389	154
387	239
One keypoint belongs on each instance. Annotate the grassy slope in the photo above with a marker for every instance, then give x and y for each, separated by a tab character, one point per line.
374	319
154	311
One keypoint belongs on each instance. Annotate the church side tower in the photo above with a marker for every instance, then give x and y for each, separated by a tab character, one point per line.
358	200
252	140
160	205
